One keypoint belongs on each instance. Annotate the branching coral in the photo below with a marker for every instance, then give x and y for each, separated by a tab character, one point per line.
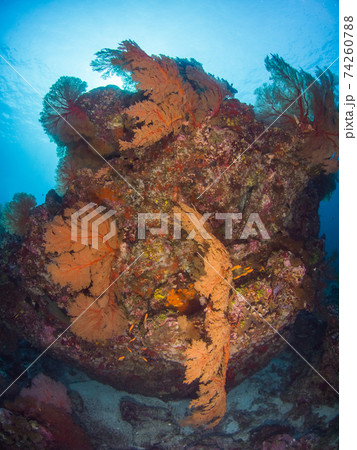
206	360
177	92
297	100
82	267
15	214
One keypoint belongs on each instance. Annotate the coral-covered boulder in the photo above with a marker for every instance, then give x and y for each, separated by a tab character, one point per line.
198	297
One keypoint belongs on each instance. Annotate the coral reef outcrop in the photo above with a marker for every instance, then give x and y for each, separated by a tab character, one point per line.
204	300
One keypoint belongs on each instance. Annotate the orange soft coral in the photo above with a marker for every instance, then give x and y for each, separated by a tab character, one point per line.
181	298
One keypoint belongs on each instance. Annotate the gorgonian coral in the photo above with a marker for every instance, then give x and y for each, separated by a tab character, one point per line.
15	214
60	107
66	173
206	360
101	320
297	100
177	92
83	268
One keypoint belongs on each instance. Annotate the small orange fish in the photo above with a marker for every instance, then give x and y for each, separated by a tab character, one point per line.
146	316
131	340
129	350
122	357
131	327
144	358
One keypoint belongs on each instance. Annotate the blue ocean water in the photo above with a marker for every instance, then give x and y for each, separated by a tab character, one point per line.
43	40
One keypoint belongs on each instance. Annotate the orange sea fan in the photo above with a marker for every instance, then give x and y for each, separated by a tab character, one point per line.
102	320
80	266
210	406
164	110
206	360
176	92
76	264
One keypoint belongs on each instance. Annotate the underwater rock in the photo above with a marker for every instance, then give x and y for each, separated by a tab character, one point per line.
200	307
266	409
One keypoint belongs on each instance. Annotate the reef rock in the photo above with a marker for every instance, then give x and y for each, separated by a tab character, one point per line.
205	293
